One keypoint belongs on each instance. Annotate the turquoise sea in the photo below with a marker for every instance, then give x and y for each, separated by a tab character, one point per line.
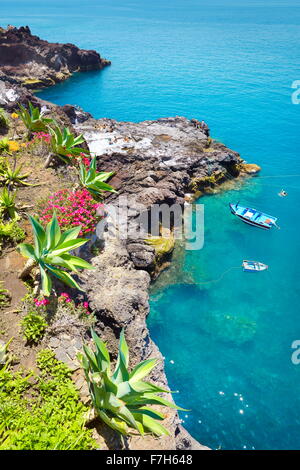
231	63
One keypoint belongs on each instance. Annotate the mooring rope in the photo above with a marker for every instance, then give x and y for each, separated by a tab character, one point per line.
220	278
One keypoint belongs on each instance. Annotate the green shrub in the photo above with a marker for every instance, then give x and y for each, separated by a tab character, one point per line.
42	411
11	232
33	327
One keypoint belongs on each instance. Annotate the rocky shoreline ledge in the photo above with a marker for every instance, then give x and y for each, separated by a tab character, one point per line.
34	63
155	162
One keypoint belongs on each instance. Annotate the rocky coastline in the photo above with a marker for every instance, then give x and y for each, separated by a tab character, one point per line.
29	61
167	161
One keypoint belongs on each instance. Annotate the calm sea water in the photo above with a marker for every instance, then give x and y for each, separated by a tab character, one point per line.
231	63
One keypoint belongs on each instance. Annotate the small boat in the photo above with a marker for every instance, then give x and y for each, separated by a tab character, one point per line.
254	266
253	217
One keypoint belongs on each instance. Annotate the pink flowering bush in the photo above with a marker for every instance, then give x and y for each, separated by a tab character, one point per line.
41	136
82	309
72	208
43	302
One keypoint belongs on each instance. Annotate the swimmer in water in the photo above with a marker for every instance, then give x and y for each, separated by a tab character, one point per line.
282	193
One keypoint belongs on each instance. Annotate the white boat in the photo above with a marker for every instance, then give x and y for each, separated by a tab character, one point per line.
254	266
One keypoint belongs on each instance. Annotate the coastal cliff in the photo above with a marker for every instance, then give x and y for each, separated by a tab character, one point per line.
164	161
27	60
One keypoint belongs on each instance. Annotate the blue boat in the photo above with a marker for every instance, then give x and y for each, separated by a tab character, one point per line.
253	216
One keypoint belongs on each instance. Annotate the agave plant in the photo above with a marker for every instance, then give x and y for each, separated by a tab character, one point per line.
7	203
64	144
33	118
51	253
120	398
12	176
93	181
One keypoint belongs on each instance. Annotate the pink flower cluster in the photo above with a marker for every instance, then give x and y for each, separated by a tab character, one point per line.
82	158
64	297
41	136
38	302
72	208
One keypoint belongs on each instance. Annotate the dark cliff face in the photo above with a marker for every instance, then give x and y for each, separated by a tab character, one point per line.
33	62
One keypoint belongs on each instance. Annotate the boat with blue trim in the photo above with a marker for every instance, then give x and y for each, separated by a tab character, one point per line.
254	266
253	217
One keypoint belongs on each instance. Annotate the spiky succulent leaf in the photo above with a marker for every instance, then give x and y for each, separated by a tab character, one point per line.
68	246
63	276
144	387
39	236
46	282
117	424
91	357
70	234
147	411
121	373
151	399
142	369
53	233
151	425
102	354
27	250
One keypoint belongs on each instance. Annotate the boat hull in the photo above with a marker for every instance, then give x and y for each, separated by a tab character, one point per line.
263	227
246	220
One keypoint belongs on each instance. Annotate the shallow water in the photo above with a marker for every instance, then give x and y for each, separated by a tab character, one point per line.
233	66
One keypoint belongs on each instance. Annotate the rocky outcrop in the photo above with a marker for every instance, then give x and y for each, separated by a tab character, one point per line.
156	162
27	60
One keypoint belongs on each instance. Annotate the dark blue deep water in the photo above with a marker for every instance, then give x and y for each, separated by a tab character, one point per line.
231	63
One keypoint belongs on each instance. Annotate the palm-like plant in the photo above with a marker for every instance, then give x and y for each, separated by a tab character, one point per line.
64	144
33	118
120	398
51	252
7	203
93	181
12	176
